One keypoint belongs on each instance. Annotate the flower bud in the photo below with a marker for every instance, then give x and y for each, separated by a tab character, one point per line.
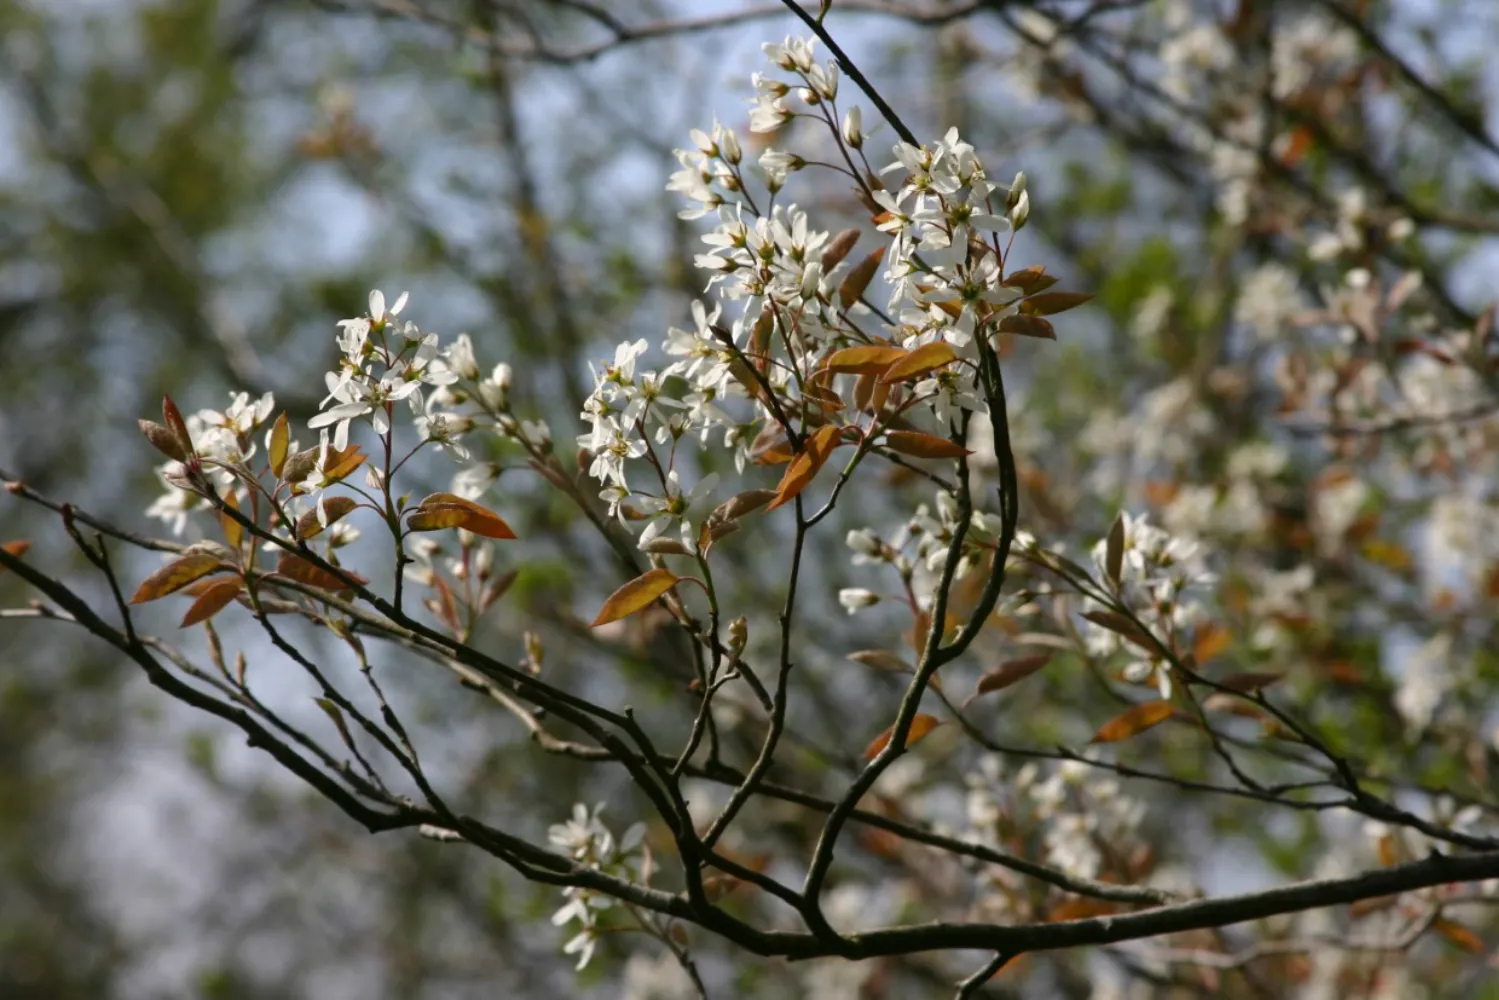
535	652
728	145
854	598
1021	211
1017	190
853	127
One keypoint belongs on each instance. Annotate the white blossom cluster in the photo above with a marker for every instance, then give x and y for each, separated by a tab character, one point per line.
589	843
779	312
1083	820
1161	581
918	550
220	439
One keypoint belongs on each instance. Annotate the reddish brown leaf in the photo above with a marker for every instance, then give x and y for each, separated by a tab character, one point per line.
922	361
636	595
215	598
1249	681
1010	672
1079	908
1121	625
449	510
234	534
17	548
280	442
1051	303
853	286
1295	145
804	468
1114	550
172	417
163	440
921	725
863	360
1029	280
881	659
334	508
880	843
341	465
175	575
740	504
1134	722
838	248
447	607
299	569
1022	325
923	445
1210	641
1459	935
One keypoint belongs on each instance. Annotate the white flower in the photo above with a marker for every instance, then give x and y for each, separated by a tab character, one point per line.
854	598
853	127
378	315
675	505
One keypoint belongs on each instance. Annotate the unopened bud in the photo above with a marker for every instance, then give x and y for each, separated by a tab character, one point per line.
728	145
738	635
1017	190
1021	211
663	545
853	127
535	652
163	440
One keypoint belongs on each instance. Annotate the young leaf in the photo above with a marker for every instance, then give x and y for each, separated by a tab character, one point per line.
636	595
280	442
163	440
838	248
1134	722
1210	641
234	534
334	509
1030	280
859	278
449	510
172	417
862	360
214	599
921	725
1248	682
299	569
299	465
17	548
881	659
338	717
436	517
804	468
1459	935
1114	551
740	504
1010	672
1022	325
342	464
1121	625
1051	303
923	445
922	361
175	575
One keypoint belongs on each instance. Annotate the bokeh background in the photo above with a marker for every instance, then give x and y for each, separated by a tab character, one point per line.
192	192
